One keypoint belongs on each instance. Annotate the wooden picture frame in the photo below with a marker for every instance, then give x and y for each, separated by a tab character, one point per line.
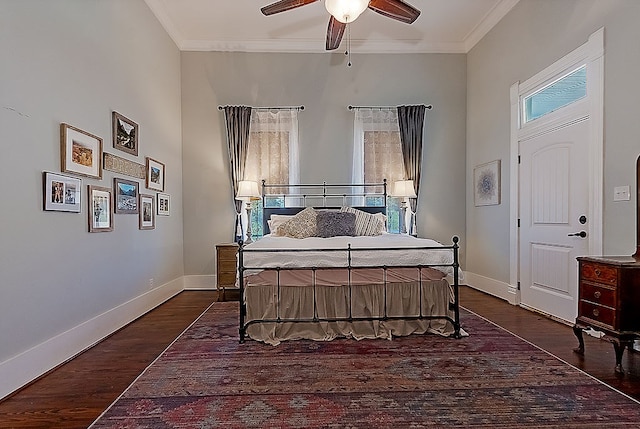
486	184
61	193
125	133
163	204
100	202
125	196
81	152
155	175
147	216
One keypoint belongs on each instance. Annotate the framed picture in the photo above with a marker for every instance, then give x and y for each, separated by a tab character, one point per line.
486	184
100	211
126	196
164	201
125	134
61	193
147	215
155	175
81	152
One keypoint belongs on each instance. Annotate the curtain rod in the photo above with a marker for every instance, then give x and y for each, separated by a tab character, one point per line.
428	106
271	108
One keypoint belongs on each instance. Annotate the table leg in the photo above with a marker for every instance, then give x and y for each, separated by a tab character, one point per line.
578	333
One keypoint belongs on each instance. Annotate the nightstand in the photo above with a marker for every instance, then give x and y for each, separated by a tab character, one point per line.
226	266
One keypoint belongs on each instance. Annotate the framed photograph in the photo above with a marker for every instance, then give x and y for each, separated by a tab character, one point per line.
163	204
125	134
61	193
147	215
155	175
486	184
81	152
126	196
100	211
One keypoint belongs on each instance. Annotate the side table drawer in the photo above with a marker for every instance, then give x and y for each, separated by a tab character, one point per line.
599	273
597	294
598	313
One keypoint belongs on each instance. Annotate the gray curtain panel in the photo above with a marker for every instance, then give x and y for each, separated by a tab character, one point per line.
411	123
238	119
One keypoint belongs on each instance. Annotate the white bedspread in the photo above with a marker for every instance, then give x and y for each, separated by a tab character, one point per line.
333	252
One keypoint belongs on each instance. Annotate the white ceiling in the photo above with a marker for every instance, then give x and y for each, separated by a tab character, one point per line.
446	26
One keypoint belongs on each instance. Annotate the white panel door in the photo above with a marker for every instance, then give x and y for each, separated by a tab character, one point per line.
553	207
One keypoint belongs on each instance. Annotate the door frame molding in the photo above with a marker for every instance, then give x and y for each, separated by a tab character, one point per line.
592	54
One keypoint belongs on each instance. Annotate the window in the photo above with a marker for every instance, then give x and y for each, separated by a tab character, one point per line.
272	155
559	93
378	155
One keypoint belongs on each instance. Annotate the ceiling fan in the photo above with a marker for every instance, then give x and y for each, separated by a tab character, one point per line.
346	11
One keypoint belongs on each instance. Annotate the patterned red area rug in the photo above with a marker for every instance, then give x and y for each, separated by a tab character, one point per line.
491	379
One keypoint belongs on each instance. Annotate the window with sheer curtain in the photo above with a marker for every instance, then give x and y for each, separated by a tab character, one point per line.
272	156
377	154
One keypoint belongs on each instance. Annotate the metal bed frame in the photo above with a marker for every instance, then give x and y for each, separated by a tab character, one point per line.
454	247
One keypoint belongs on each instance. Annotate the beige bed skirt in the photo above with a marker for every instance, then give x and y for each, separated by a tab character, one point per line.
404	290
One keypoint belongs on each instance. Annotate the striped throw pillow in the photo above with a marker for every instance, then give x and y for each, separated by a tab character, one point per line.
366	223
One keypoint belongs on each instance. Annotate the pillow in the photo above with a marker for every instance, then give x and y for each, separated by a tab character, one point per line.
332	223
275	221
366	223
302	225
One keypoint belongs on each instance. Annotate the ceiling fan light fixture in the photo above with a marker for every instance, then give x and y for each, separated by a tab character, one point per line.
346	11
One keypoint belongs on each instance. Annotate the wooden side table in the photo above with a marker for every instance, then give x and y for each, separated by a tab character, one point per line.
609	299
226	266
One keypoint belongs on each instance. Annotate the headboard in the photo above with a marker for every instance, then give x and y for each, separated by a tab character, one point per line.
296	198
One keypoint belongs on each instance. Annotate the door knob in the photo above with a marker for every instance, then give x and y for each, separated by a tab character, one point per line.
581	234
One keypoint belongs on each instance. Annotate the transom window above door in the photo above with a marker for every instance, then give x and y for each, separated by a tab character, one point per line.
560	93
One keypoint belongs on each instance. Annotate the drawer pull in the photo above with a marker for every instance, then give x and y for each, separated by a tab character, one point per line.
598	272
596	312
597	294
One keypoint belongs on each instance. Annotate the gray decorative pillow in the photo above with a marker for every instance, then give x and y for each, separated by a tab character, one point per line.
366	223
302	225
332	223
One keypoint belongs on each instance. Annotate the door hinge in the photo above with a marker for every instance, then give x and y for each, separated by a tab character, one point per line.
518	285
518	159
518	222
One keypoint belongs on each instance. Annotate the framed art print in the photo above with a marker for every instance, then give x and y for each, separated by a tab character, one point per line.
163	204
486	184
155	175
126	196
100	211
81	152
147	215
125	134
61	193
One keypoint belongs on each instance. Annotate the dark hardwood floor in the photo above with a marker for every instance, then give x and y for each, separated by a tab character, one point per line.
76	393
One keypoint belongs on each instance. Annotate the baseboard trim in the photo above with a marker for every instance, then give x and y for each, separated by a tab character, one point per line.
31	364
492	287
200	282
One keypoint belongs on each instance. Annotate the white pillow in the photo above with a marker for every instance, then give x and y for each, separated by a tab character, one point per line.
275	221
367	223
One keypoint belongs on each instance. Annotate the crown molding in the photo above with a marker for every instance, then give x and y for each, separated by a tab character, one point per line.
488	22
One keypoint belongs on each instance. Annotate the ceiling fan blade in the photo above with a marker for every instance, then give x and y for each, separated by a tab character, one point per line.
335	31
396	9
284	5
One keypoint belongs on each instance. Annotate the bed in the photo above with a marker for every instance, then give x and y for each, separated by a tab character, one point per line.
346	278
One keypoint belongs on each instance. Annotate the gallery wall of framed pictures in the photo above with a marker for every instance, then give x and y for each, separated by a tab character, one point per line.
82	156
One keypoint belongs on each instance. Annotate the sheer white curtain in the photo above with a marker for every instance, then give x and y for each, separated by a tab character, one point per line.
377	151
272	153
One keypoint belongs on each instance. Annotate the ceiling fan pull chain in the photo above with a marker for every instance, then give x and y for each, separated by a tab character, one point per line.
348	52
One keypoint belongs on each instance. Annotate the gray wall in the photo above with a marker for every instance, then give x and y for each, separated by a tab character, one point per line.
75	61
325	86
532	36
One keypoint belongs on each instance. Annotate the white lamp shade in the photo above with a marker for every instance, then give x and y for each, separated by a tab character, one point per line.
247	190
404	188
346	11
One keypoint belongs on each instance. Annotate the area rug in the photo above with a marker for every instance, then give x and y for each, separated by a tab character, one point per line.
491	379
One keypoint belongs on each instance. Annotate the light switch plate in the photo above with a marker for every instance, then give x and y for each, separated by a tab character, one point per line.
621	193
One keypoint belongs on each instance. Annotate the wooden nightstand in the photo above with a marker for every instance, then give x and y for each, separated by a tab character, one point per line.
226	266
609	298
